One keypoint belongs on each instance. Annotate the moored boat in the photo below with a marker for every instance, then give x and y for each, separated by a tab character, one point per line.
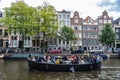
100	53
35	65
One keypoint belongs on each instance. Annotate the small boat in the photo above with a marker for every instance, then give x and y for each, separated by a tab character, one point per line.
33	65
100	53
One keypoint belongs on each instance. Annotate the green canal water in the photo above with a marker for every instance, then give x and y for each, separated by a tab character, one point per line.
18	70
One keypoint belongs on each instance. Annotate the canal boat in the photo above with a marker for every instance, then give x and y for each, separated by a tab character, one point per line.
33	65
100	53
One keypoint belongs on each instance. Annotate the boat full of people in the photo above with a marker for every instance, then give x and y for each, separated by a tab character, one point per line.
67	63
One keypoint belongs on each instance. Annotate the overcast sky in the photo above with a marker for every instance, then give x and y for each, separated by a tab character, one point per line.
93	8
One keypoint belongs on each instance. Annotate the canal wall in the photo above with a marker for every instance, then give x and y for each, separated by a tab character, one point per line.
110	55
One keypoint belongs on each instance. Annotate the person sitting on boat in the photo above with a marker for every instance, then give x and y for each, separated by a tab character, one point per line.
53	59
74	59
95	58
41	59
36	57
81	60
98	58
64	58
48	59
57	61
45	58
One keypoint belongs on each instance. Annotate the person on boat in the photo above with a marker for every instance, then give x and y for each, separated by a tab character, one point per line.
74	59
81	60
53	59
57	61
64	58
41	59
49	59
95	58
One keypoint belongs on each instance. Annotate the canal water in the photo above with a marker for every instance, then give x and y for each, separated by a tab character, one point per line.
18	70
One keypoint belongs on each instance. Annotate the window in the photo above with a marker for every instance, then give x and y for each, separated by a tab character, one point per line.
94	28
33	42
13	37
117	36
89	35
100	21
63	16
67	23
63	41
59	16
1	42
5	33
104	17
84	42
76	28
84	35
76	16
75	20
63	23
59	41
68	16
117	30
1	15
1	32
85	28
109	21
105	21
89	20
77	35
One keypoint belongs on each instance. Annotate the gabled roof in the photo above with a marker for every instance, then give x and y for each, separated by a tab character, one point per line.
105	13
88	19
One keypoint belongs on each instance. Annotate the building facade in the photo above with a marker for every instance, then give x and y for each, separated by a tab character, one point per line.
90	34
63	20
76	24
87	30
4	38
102	20
116	28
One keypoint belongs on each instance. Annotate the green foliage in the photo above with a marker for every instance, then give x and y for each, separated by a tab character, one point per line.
29	21
107	36
49	24
20	18
67	34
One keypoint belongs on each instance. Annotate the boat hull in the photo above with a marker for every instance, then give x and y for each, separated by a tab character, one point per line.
63	67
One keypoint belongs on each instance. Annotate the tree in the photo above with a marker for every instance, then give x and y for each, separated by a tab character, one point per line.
67	34
20	18
107	36
49	26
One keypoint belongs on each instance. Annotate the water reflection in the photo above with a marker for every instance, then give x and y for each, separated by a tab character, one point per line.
65	75
18	70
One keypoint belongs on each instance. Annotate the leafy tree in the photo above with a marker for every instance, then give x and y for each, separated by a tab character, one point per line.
48	20
20	18
107	36
67	34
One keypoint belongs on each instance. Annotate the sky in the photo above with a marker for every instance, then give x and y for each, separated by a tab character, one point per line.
93	8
